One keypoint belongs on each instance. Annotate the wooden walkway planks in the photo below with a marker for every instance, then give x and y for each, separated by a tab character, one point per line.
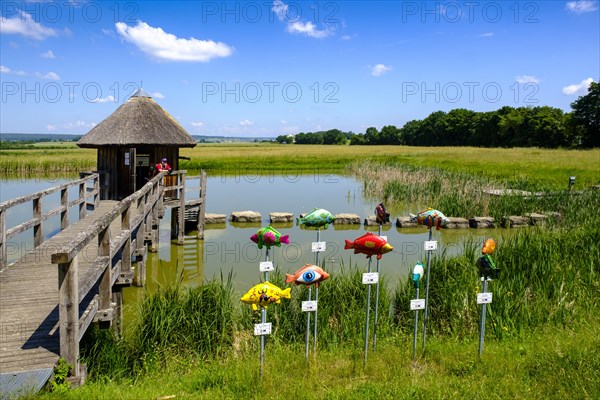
29	337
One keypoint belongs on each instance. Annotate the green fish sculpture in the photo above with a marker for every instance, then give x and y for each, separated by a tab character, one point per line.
317	218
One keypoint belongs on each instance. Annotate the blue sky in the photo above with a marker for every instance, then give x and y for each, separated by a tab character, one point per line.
265	68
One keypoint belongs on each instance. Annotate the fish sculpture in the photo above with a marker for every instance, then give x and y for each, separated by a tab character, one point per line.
268	236
381	214
430	218
485	263
317	218
307	275
489	246
264	294
369	244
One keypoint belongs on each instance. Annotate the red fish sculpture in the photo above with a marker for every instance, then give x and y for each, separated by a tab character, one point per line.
369	244
307	275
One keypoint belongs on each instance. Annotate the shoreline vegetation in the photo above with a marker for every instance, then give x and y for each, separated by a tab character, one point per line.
542	327
545	169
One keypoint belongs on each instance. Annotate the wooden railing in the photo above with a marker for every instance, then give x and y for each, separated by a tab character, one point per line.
180	190
37	221
136	214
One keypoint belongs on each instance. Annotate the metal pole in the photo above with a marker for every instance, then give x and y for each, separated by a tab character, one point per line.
308	325
427	292
482	319
263	319
415	333
367	319
316	296
376	304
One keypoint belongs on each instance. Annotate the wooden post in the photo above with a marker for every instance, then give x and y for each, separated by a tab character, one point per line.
64	214
126	276
83	200
202	206
38	228
140	245
3	252
104	315
68	311
181	224
97	190
155	221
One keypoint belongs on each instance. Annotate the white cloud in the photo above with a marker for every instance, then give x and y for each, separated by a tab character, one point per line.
6	70
522	79
308	29
582	6
51	76
197	125
48	54
280	9
166	46
24	24
380	69
158	95
80	126
107	99
578	88
487	34
346	37
246	122
295	25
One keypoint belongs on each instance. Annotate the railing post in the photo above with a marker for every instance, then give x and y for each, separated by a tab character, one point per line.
126	274
64	214
83	201
104	315
155	222
181	222
140	244
97	191
202	207
38	228
3	252
68	311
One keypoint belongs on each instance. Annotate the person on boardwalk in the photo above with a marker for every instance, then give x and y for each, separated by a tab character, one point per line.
163	166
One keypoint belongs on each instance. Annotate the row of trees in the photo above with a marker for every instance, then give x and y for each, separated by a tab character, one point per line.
507	127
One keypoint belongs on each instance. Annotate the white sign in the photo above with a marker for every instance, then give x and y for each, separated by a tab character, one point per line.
310	305
318	247
262	329
430	245
417	304
384	238
266	266
484	298
126	158
370	278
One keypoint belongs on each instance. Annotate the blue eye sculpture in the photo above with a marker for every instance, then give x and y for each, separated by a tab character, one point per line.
307	275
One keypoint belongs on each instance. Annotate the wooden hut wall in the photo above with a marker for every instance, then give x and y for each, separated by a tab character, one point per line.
116	166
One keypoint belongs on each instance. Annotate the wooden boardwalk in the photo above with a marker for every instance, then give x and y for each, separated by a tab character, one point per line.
29	299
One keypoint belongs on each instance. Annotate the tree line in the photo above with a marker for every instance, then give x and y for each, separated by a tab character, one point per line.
543	126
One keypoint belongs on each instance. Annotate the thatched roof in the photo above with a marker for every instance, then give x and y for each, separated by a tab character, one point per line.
138	121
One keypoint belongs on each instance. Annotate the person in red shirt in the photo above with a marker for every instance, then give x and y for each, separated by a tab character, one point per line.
163	166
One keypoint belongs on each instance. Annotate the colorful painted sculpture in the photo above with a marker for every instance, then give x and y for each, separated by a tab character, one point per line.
487	267
268	236
381	214
307	275
369	244
264	294
317	218
430	218
417	274
489	246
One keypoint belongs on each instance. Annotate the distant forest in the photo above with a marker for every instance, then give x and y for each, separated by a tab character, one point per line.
546	127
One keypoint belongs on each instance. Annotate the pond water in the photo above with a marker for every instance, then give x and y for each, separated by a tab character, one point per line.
227	247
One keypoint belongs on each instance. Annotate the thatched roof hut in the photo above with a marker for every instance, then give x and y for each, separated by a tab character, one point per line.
138	121
131	141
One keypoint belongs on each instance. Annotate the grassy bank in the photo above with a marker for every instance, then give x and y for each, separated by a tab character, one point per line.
551	167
